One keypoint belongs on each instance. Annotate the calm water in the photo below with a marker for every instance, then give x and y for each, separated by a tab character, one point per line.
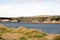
48	28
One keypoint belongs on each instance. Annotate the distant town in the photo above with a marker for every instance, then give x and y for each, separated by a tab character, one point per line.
34	19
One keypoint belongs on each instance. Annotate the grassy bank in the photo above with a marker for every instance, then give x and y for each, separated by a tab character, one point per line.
20	33
23	33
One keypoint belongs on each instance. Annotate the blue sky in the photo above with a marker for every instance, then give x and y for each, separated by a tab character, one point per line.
16	8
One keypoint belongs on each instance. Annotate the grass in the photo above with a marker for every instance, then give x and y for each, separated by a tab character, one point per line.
22	33
22	38
56	37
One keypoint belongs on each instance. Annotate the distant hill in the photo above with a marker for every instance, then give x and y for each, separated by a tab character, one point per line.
41	16
46	15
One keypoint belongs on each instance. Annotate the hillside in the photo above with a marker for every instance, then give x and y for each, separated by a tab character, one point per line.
34	19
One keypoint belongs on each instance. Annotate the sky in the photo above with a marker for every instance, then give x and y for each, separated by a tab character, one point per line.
18	8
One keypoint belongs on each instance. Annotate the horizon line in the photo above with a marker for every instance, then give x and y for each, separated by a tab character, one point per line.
29	16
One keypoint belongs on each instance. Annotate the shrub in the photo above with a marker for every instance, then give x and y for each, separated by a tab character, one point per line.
36	36
23	38
57	37
14	39
2	38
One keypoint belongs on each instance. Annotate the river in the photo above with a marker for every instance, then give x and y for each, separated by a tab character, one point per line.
49	28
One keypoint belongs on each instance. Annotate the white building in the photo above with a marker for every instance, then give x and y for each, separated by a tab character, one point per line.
5	20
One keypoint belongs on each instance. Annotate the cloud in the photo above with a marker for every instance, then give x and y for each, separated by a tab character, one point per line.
37	0
19	1
29	9
58	0
7	10
28	1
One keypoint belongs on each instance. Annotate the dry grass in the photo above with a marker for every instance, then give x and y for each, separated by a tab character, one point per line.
23	33
16	34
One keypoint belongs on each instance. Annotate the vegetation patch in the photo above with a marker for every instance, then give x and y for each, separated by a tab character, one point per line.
20	33
57	37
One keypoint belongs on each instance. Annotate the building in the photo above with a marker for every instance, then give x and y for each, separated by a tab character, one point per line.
14	20
5	20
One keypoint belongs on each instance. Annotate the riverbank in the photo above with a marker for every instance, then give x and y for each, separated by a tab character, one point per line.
15	36
23	33
20	33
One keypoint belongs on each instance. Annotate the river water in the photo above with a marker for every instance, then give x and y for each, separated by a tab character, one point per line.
45	27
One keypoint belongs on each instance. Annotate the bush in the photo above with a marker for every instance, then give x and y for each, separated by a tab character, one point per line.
57	37
23	38
36	36
2	38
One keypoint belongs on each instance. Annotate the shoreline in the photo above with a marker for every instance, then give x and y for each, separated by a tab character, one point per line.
30	22
17	33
